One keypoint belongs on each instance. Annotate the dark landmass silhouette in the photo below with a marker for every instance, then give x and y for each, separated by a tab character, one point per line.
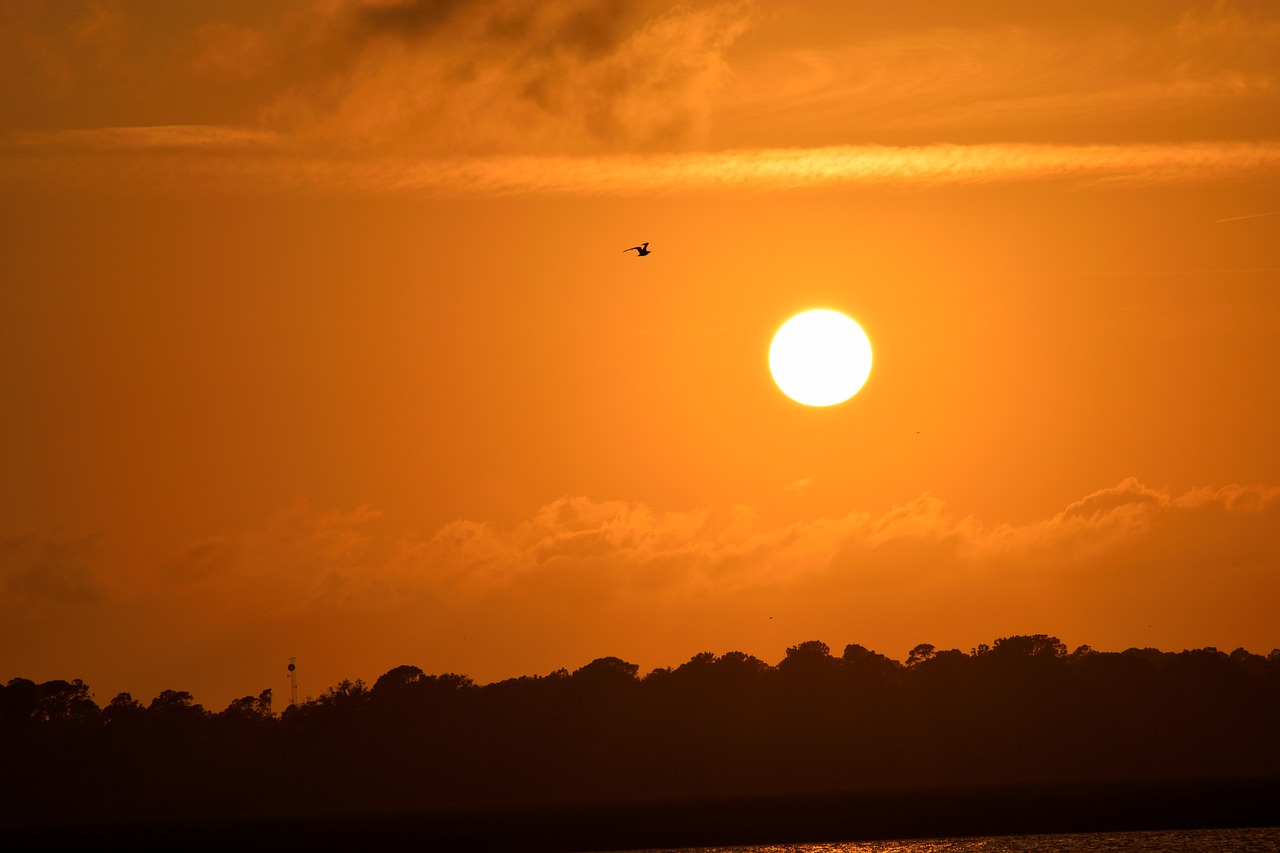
1018	736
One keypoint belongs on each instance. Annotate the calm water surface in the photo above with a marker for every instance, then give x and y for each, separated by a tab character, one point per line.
1263	840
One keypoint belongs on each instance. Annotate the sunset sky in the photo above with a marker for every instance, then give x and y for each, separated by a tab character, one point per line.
317	336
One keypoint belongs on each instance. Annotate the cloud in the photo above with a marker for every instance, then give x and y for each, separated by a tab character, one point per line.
208	558
243	161
437	78
489	77
1248	216
51	51
1126	565
630	548
1137	529
639	551
802	483
300	557
200	139
653	96
1226	537
408	18
354	76
52	568
1177	71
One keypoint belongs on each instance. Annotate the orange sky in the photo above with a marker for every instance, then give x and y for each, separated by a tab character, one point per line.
317	338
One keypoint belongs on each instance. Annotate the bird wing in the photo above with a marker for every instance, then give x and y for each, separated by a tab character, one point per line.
635	248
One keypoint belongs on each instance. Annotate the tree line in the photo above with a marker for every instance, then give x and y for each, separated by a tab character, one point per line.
1022	710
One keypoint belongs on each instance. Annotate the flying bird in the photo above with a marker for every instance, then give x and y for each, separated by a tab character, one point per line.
641	250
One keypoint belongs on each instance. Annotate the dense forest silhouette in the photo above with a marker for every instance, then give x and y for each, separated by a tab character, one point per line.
1021	711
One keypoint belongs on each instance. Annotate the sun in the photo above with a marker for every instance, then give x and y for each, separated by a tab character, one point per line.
820	358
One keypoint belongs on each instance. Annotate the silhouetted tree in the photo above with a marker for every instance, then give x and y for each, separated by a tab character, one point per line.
1032	646
123	711
607	673
249	707
812	657
175	705
868	666
18	703
920	654
346	697
64	702
397	680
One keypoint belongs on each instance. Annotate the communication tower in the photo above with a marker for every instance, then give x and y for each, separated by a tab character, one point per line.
293	682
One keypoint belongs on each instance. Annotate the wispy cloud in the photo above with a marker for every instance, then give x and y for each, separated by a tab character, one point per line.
368	75
587	96
817	168
1174	71
1249	216
434	79
802	483
199	139
52	567
220	160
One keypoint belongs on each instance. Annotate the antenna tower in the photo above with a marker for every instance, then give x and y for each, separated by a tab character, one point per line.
293	682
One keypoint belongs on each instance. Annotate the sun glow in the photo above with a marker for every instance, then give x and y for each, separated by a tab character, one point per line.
820	358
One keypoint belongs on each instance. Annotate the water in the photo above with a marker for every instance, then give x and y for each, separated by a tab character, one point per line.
1254	840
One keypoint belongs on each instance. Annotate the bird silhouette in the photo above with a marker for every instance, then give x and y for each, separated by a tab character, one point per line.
641	250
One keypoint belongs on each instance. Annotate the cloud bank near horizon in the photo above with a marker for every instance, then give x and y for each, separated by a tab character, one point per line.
1123	553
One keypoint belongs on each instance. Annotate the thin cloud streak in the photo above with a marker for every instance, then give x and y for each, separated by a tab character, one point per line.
199	138
852	166
1249	216
168	158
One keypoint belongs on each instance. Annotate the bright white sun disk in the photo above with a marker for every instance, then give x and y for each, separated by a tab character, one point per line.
820	358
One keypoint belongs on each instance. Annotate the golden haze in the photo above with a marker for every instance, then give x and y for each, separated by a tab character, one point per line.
317	338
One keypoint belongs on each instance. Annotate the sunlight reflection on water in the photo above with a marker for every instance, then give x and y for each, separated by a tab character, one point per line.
1252	840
